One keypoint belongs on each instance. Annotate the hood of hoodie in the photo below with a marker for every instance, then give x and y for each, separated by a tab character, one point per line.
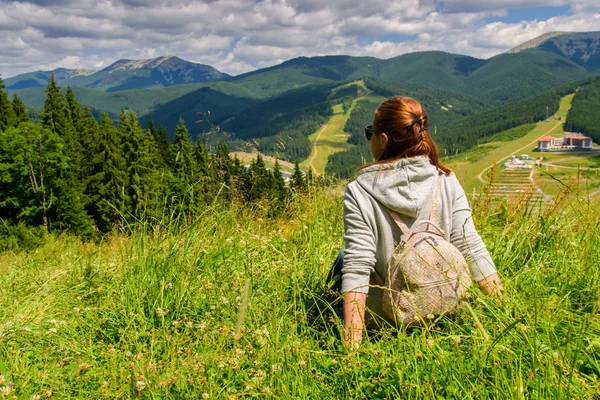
404	186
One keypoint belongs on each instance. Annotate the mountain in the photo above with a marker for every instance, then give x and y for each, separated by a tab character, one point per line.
40	78
583	48
499	80
125	75
260	103
139	74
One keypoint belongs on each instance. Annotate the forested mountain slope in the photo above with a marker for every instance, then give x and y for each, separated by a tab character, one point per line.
500	80
584	116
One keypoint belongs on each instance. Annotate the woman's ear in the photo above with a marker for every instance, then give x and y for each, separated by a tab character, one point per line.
384	141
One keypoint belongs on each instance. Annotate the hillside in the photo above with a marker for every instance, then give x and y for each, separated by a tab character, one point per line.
141	101
455	134
584	116
280	126
500	80
235	305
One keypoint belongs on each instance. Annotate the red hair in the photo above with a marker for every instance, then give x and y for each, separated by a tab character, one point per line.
405	123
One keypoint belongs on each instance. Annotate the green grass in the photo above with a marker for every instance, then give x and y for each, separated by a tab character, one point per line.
330	138
574	160
153	314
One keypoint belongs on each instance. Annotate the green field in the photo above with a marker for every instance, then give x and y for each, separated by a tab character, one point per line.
329	139
572	173
159	313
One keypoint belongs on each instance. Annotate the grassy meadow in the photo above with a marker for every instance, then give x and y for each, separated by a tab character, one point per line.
234	305
330	138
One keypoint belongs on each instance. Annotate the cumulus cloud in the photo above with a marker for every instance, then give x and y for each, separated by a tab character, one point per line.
236	36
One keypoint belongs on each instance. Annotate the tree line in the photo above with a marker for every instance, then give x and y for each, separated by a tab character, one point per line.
73	172
583	116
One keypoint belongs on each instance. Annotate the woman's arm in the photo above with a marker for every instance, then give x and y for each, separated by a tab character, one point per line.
359	262
354	317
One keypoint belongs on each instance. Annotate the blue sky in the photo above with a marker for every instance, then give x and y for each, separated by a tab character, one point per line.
237	36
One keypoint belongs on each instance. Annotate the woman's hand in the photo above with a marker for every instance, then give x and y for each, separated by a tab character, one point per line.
491	286
354	316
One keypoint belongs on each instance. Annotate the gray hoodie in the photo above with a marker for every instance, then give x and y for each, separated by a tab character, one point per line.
405	186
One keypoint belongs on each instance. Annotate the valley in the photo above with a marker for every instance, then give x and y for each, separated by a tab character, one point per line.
330	138
146	251
540	184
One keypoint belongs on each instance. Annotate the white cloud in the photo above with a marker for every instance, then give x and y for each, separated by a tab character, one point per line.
241	35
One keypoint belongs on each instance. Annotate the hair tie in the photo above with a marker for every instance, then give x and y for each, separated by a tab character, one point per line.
423	129
408	128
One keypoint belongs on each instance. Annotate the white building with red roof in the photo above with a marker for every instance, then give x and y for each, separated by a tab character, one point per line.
570	141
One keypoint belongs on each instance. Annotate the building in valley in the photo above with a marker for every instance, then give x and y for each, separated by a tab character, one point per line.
569	142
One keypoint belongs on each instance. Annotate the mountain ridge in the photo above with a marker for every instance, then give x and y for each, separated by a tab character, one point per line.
124	74
583	48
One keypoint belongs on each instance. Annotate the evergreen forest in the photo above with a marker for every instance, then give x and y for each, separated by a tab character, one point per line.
72	172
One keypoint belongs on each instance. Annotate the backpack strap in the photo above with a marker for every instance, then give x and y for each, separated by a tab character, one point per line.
406	231
434	214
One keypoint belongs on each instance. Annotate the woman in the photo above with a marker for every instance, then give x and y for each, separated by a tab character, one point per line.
401	179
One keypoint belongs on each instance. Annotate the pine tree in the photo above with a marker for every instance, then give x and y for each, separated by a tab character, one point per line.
157	179
108	177
88	135
224	166
278	186
202	158
164	145
54	114
151	130
183	165
7	115
20	110
137	160
206	172
297	181
182	159
70	198
73	110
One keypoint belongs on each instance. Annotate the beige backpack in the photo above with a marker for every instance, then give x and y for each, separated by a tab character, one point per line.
427	276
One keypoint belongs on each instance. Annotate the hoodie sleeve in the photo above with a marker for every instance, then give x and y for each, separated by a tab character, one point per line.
465	237
359	252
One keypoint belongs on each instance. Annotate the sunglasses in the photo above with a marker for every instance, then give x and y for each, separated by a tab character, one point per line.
369	132
369	128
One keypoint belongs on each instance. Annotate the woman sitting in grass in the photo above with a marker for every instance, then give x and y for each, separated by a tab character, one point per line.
400	184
